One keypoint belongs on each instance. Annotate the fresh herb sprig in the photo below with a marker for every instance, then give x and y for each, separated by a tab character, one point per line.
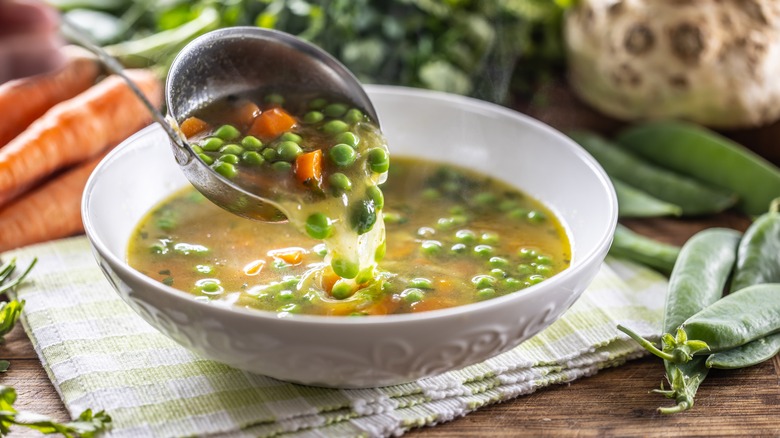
87	425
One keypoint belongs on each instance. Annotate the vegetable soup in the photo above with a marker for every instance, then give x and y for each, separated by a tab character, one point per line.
318	159
453	237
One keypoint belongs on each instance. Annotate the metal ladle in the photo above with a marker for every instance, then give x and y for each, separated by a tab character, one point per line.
235	60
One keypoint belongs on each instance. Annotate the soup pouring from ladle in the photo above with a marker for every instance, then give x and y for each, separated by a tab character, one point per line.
230	62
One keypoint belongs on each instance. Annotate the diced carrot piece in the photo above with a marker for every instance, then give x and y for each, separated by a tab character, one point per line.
254	267
193	126
293	255
271	124
245	114
308	168
329	278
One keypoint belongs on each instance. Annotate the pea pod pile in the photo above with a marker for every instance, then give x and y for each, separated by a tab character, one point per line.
735	331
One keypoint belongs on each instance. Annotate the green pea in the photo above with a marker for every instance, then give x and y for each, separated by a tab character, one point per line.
544	270
375	194
291	136
513	283
212	144
320	249
465	236
413	295
158	248
313	117
536	217
340	182
318	103
282	166
353	116
518	213
498	262
365	275
486	293
489	238
498	273
543	259
527	253
342	155
342	289
318	226
288	151
485	198
483	250
524	269
459	248
227	132
394	218
206	159
225	169
363	216
251	143
483	281
275	99
204	269
270	154
507	205
421	283
252	157
229	158
536	279
431	194
197	149
348	138
335	110
445	223
430	247
335	127
344	268
231	149
209	286
378	160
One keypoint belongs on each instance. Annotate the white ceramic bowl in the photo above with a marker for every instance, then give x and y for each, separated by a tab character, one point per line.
373	351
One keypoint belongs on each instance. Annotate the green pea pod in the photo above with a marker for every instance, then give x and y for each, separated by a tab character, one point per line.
708	157
747	355
700	274
633	202
632	246
732	321
692	196
758	257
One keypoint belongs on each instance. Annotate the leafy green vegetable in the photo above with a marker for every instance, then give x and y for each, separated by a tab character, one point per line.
479	47
87	425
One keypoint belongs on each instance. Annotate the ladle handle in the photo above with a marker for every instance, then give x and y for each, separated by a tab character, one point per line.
76	34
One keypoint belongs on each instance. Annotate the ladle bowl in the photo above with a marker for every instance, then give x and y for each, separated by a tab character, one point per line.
236	60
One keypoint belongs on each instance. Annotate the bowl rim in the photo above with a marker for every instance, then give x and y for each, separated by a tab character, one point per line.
584	263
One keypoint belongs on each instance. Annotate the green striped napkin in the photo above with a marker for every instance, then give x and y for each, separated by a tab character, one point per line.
99	354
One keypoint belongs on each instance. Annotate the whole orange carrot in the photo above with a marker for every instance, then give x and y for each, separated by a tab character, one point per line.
51	211
77	129
22	101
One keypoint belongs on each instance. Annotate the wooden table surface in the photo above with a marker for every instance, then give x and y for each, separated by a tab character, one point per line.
614	402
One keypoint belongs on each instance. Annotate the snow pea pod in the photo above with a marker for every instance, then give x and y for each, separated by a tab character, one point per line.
747	355
632	246
758	256
708	157
633	202
692	196
700	274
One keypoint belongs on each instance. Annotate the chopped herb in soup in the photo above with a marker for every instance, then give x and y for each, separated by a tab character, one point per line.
453	237
319	160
